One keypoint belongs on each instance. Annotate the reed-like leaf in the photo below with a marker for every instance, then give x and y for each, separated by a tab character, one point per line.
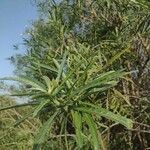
40	106
45	129
93	109
77	120
93	131
32	82
48	83
102	81
61	67
18	105
46	67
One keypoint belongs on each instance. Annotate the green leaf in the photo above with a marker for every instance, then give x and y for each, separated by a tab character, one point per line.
92	109
94	132
77	120
16	106
34	83
45	129
36	147
61	67
48	83
116	57
104	87
22	94
102	81
46	67
40	106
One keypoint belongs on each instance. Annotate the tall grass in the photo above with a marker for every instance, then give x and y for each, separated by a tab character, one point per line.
12	137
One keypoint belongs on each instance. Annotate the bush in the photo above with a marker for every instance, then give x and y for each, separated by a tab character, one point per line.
85	86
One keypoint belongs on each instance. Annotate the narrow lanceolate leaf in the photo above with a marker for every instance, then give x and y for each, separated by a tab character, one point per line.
23	79
104	88
116	57
77	120
40	106
92	109
22	94
48	83
94	132
61	67
45	129
103	79
16	106
46	67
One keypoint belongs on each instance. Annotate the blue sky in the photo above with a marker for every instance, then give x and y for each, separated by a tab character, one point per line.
15	17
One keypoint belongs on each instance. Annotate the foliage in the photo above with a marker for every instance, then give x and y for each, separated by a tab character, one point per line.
85	45
11	137
75	90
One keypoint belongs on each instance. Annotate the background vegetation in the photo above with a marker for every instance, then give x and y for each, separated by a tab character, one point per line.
86	72
20	138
